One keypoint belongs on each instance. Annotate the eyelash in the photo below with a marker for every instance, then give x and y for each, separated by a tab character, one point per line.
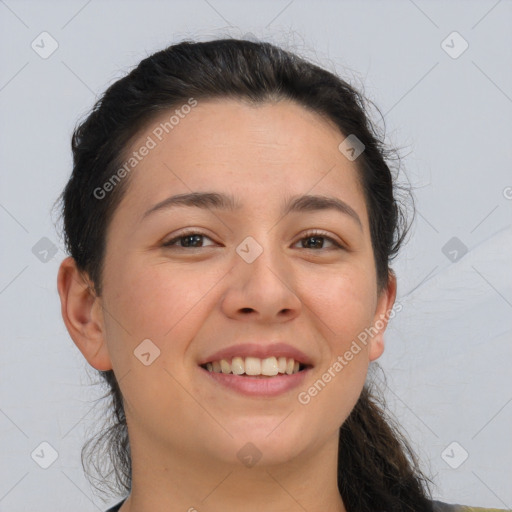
309	234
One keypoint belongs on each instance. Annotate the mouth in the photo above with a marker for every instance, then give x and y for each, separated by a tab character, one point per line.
256	367
253	376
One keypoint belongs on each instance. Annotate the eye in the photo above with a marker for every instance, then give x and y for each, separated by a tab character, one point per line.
190	238
193	239
316	237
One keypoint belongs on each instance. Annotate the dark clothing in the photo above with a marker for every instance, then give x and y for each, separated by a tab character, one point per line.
115	508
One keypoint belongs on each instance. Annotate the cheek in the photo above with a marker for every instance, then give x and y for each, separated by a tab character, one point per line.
342	306
159	303
342	303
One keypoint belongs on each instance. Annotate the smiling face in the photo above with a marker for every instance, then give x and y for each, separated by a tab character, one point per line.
197	277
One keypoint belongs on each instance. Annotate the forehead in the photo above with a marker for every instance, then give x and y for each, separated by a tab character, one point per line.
267	149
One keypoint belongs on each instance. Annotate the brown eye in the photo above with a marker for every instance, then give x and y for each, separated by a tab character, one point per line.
317	239
191	239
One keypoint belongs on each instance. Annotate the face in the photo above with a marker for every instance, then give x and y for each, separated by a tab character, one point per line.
183	282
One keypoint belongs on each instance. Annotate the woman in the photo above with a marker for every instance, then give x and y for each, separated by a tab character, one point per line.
230	222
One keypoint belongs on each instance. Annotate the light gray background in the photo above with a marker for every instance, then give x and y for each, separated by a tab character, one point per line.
448	351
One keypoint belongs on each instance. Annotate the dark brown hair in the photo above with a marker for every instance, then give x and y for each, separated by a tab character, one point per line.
377	470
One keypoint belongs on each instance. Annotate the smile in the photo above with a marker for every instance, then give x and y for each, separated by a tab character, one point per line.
252	379
254	366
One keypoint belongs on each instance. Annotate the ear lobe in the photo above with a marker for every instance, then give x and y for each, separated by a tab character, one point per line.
385	303
81	312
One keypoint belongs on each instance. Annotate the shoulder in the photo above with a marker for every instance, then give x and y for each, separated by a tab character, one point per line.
439	506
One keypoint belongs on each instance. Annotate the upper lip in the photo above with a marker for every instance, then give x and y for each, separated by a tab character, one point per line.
260	351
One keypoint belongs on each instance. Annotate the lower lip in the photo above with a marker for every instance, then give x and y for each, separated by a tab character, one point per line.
258	386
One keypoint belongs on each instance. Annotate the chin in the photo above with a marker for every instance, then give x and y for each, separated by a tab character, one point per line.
264	440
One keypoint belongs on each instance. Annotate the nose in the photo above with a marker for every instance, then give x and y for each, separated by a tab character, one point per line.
261	289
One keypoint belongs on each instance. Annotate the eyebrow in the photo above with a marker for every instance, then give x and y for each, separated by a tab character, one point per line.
220	201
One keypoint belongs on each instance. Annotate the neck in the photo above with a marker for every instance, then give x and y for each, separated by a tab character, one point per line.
173	482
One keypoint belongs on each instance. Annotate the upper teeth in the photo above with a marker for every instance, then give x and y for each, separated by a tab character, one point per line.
255	366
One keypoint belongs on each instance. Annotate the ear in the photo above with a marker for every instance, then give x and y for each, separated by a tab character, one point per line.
383	312
82	313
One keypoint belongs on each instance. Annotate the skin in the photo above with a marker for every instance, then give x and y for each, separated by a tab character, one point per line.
185	431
